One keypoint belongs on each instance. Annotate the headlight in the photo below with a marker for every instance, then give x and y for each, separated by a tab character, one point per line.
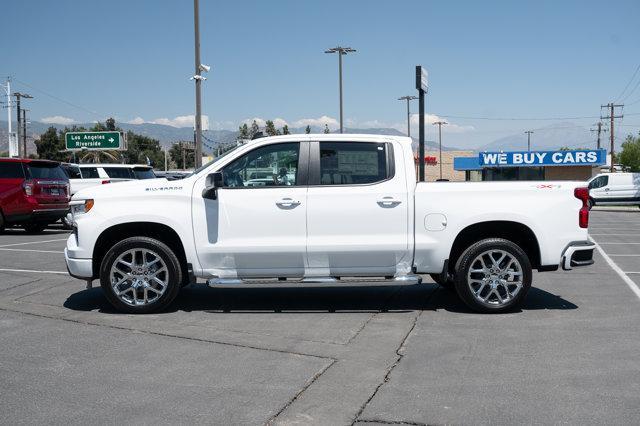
80	207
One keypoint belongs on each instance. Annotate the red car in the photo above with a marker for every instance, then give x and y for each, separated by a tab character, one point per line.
33	193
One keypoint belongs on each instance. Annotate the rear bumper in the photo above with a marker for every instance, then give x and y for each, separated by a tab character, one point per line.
78	268
48	215
579	253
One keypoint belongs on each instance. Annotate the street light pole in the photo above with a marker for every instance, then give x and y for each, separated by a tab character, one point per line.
408	98
528	132
198	78
19	96
439	124
340	51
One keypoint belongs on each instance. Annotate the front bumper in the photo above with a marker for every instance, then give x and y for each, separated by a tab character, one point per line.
78	268
579	253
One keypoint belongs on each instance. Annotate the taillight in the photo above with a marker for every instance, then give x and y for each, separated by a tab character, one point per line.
582	194
28	188
106	181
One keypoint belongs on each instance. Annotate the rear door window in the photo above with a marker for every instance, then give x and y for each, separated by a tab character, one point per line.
119	172
89	172
352	163
46	171
11	170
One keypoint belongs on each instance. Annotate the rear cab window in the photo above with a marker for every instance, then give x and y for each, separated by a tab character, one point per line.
143	173
355	163
119	172
89	172
11	170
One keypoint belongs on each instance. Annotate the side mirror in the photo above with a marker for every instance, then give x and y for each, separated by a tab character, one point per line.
213	182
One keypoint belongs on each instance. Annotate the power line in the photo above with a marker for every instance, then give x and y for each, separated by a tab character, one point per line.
58	98
629	83
466	117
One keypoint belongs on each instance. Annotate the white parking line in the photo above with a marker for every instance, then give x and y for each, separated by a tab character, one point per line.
633	286
34	242
619	243
625	255
34	271
620	235
35	251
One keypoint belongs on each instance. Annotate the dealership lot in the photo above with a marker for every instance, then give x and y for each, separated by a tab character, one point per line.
331	355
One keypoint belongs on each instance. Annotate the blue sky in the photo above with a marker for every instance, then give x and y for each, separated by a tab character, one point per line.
497	59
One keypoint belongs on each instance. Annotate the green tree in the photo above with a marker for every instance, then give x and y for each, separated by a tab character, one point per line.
630	155
326	128
270	128
307	130
285	130
51	146
180	151
110	124
254	129
143	150
243	131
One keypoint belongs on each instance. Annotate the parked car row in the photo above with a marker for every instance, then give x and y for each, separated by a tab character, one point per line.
614	189
36	193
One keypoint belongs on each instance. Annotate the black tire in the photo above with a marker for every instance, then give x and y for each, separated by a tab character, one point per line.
168	257
2	223
464	263
444	281
34	228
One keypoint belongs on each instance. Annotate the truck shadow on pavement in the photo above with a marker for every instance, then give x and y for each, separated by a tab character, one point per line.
347	299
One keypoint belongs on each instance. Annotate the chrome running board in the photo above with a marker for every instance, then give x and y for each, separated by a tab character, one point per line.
400	279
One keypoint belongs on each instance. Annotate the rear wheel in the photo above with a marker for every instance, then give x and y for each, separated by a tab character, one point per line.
34	228
493	275
2	224
140	275
591	203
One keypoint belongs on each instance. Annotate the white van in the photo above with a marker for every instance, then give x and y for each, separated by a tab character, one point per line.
615	188
117	172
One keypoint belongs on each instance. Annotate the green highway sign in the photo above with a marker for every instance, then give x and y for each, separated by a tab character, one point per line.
94	140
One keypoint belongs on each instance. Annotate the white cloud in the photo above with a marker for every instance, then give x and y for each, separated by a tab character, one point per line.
317	122
137	120
57	119
449	127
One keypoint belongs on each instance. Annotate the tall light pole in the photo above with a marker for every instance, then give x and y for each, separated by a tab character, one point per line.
198	79
13	147
19	96
439	124
408	98
340	51
528	133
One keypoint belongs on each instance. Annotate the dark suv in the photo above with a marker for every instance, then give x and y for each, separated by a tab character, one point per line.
33	193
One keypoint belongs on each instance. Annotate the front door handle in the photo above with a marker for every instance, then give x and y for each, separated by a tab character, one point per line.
287	202
388	202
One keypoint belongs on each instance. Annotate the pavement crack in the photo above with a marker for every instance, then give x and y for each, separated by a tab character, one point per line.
391	422
400	355
157	333
300	392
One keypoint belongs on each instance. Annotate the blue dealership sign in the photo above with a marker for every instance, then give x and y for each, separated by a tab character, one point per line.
582	157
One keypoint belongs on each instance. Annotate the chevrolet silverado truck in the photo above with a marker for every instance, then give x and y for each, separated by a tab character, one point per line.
321	208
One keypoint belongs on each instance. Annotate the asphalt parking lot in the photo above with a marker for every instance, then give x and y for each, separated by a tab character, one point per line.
325	355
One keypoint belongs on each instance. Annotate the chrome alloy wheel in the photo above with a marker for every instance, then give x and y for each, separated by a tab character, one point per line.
139	277
495	277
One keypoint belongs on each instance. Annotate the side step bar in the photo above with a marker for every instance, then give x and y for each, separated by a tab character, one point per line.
401	279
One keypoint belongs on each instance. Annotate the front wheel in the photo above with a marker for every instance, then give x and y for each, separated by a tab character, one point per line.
140	275
493	275
34	228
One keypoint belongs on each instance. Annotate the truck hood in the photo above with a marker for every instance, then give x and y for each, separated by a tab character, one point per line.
130	188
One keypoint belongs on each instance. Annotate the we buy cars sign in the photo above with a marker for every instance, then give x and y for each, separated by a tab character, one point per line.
583	157
94	140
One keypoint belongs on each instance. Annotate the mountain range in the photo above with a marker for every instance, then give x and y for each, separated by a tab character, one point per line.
551	137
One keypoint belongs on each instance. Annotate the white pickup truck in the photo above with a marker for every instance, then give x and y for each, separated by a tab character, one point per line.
320	208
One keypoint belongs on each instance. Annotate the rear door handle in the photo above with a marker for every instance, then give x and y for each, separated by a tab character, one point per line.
287	202
388	201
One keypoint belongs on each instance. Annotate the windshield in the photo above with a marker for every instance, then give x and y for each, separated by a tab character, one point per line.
46	171
144	173
215	160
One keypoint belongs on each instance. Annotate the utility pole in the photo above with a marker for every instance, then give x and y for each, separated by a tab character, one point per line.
18	96
408	98
599	130
612	106
198	79
439	124
340	51
24	132
422	85
528	133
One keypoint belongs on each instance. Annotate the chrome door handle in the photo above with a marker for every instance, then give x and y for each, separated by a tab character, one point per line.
388	201
287	202
606	189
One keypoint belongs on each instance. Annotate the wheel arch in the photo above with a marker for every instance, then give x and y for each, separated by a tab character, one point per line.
155	230
516	232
